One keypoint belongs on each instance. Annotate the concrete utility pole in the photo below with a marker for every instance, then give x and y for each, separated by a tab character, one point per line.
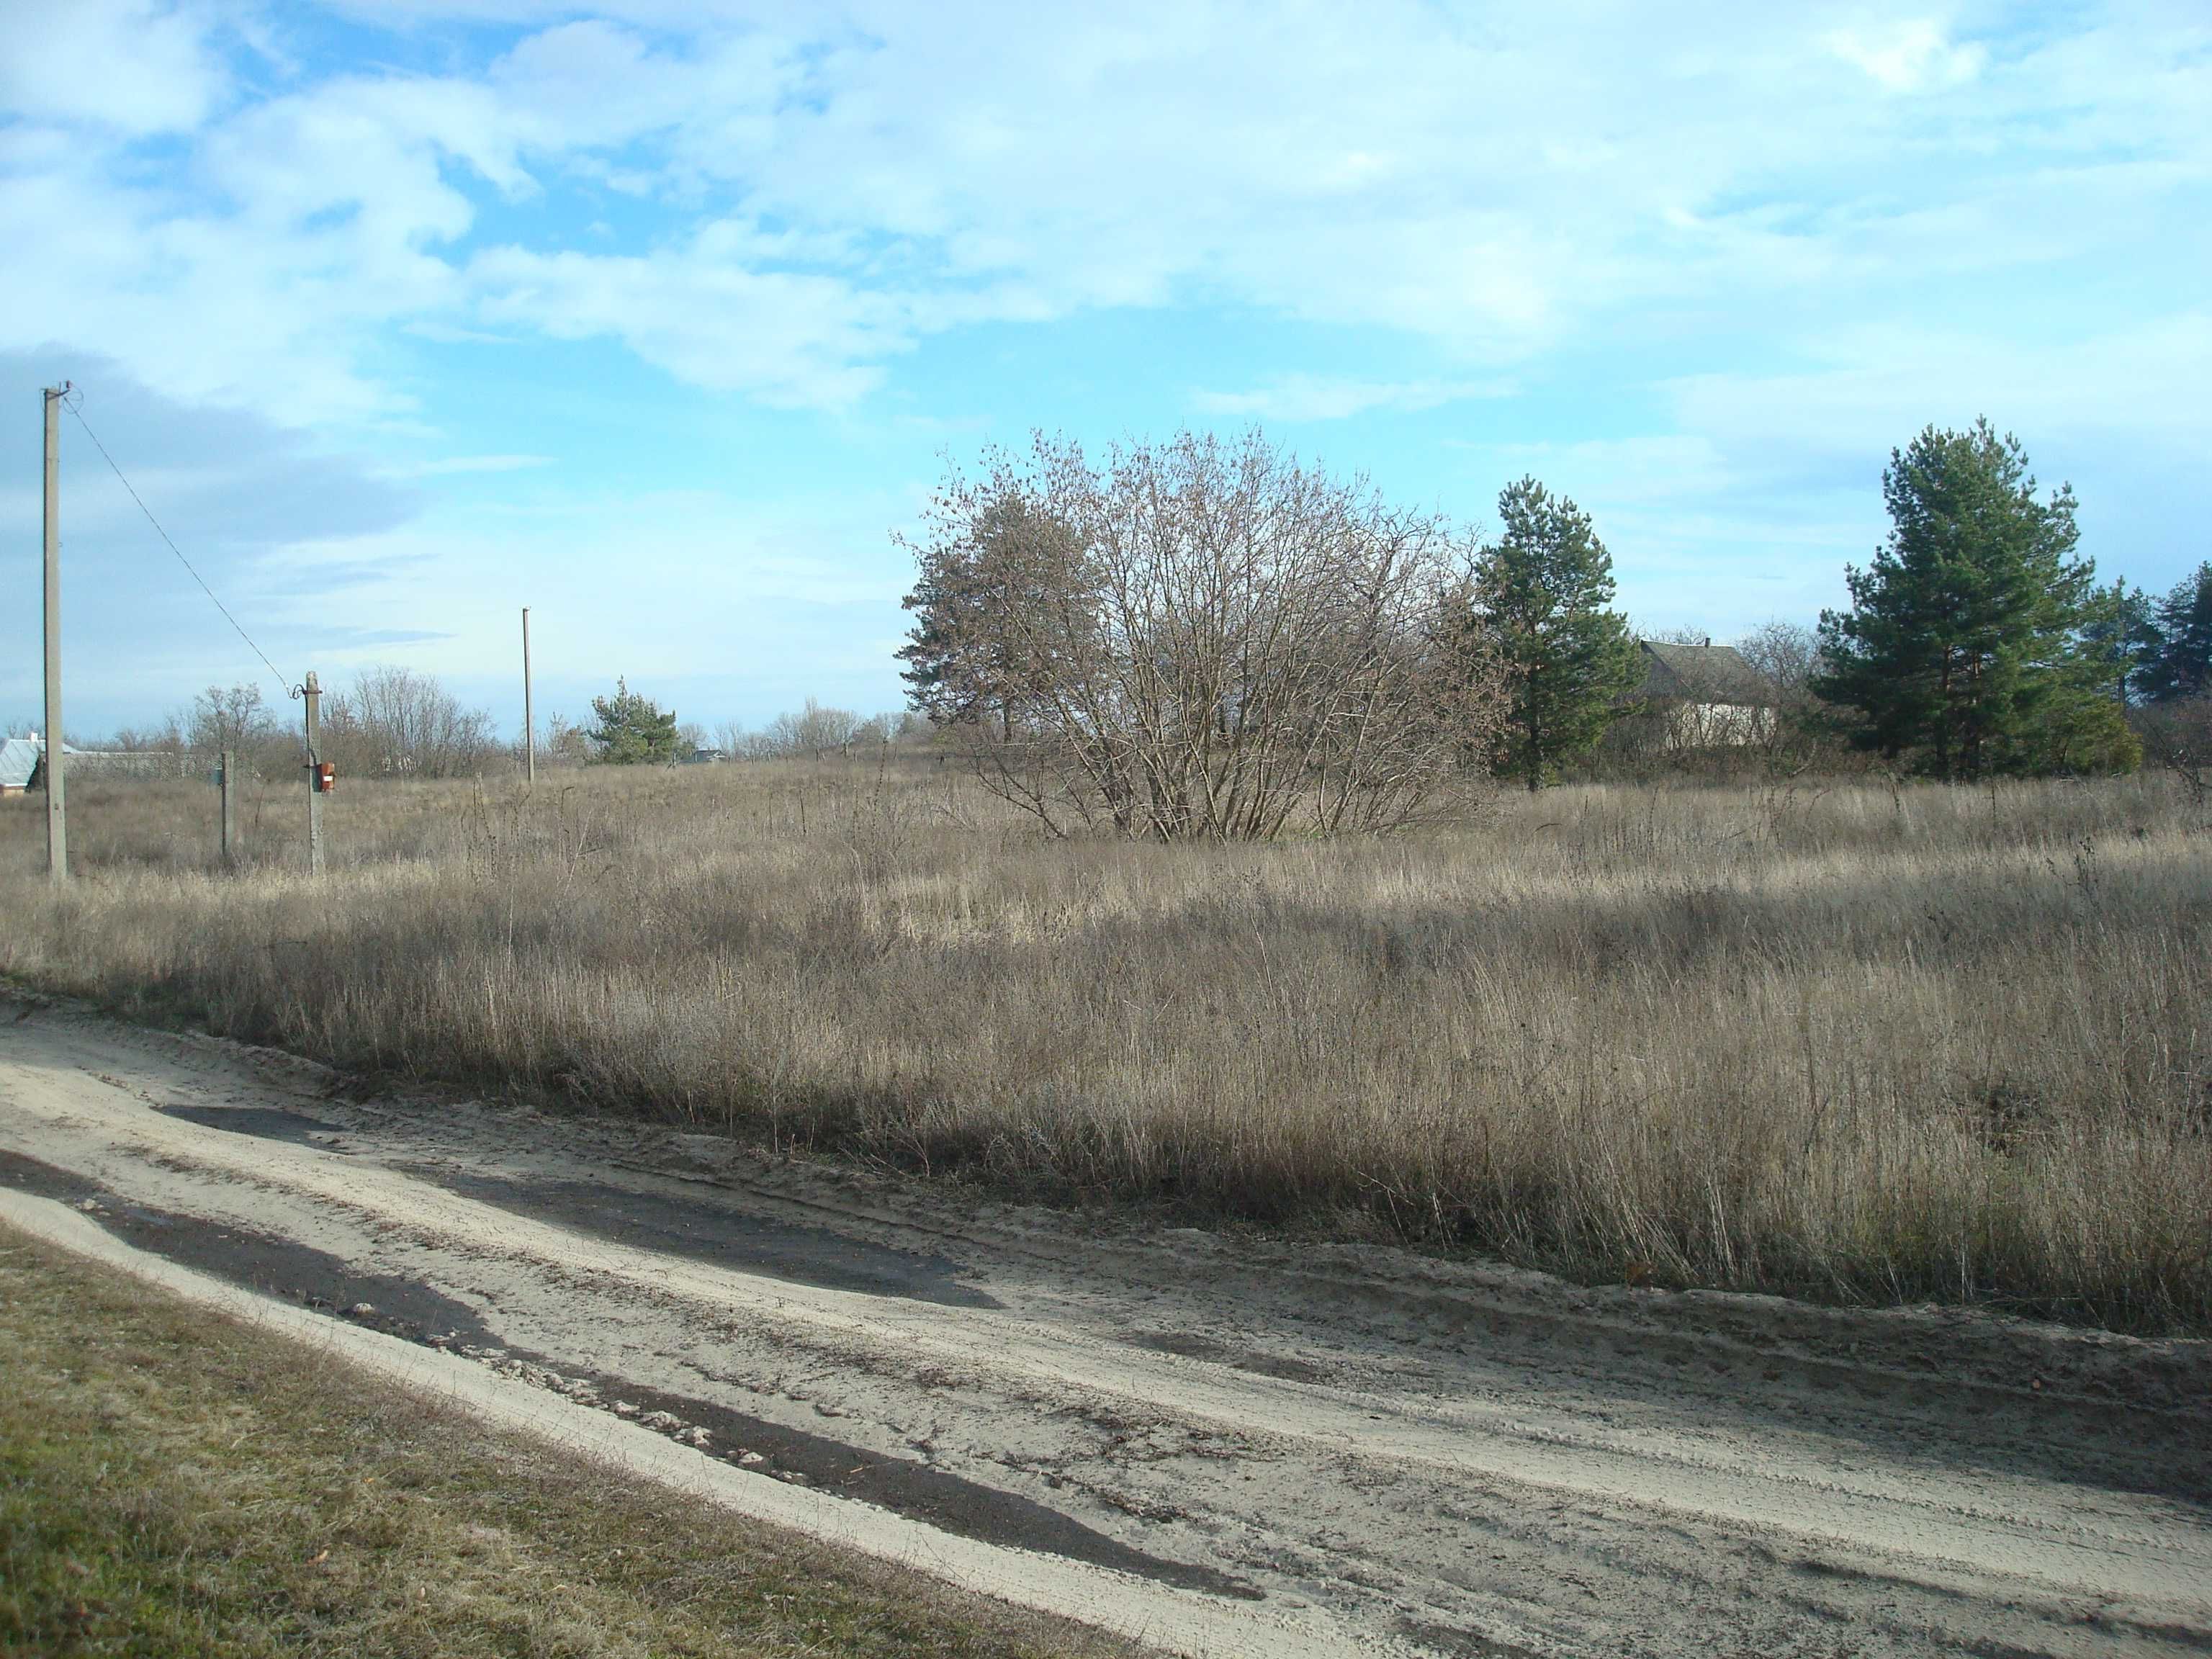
228	780
529	726
56	821
313	694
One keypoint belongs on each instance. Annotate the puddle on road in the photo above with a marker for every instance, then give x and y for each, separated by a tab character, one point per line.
1191	1346
707	1232
948	1501
256	1260
29	1174
264	1122
300	1274
1448	1643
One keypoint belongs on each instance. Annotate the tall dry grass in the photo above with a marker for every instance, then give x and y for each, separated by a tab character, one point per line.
1858	1042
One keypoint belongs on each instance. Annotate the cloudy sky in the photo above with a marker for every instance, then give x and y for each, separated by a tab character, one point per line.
660	317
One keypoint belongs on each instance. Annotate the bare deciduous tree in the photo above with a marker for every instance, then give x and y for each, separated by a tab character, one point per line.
564	742
2177	735
393	720
1197	640
1788	654
813	731
740	742
236	718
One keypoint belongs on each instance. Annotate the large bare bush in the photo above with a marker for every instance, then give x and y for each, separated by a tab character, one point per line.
1196	641
393	720
2177	735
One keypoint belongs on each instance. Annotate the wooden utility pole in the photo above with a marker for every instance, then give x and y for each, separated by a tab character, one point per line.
529	726
313	694
57	820
228	781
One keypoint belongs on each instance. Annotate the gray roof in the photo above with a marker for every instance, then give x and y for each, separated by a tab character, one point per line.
1703	673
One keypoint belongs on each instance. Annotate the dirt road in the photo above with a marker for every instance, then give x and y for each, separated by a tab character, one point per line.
1323	1447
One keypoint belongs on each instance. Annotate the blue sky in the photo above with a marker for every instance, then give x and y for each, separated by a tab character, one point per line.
660	317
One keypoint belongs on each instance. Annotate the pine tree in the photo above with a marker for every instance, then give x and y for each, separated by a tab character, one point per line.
2182	667
633	730
1543	596
1969	646
982	581
2122	629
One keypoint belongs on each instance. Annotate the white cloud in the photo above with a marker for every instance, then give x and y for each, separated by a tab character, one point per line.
780	206
1911	56
1570	204
2142	385
453	465
1291	398
788	338
135	66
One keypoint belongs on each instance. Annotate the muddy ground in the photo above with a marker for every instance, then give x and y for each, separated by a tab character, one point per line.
1381	1450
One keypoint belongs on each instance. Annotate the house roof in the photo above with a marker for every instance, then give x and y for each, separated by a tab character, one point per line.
19	758
1703	673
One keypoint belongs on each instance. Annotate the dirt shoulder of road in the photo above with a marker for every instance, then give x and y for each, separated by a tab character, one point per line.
1210	1442
175	1480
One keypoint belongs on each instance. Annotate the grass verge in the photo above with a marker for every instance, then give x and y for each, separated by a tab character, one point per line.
173	1482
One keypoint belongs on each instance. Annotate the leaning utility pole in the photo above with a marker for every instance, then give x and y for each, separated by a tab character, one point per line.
56	824
529	726
313	693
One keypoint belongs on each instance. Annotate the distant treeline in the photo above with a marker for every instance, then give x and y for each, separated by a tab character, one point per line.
390	722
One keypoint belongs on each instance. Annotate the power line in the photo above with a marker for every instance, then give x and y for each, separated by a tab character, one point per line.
172	547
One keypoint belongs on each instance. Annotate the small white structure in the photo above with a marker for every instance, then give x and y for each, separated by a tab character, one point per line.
19	763
19	759
1704	697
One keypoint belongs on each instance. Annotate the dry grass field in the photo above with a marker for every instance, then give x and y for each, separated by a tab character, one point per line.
1855	1043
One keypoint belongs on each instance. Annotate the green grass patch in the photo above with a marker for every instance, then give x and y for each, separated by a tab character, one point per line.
173	1482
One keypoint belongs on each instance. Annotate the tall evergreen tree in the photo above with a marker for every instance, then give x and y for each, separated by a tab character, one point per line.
1543	604
1967	649
633	729
975	591
2121	628
2183	666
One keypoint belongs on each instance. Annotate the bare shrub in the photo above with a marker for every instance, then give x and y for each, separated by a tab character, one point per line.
1196	641
814	730
1788	655
817	732
393	720
564	743
2177	736
234	718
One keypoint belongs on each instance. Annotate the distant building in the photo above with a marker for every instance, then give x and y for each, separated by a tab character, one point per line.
22	757
19	764
701	758
1704	696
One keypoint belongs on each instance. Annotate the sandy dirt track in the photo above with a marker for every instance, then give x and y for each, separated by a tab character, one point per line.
1267	1447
